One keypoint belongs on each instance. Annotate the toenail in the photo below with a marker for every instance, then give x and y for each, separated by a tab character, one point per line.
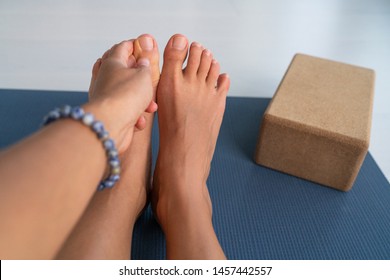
207	52
146	43
196	44
179	43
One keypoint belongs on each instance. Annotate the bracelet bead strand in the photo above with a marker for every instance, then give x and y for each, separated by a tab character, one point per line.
78	114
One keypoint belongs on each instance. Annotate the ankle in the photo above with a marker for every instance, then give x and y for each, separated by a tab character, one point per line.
185	216
181	169
192	238
177	203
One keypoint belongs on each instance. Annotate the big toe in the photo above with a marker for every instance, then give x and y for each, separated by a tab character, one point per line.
145	46
174	55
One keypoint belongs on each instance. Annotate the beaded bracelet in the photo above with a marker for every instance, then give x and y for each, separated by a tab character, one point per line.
88	119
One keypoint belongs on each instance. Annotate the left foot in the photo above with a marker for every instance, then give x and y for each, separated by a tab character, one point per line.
137	160
105	229
135	184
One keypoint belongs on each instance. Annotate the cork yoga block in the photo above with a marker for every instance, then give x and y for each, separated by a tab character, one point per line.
318	123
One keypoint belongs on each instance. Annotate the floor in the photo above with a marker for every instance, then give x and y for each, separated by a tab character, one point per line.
52	44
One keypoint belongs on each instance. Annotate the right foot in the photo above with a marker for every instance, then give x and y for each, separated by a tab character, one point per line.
191	106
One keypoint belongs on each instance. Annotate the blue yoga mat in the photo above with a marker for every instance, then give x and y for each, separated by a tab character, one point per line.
259	213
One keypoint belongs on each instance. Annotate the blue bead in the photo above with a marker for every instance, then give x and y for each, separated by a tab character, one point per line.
115	158
97	126
46	120
101	187
114	162
77	113
114	178
52	116
49	120
109	144
65	111
55	114
108	183
112	154
87	119
103	135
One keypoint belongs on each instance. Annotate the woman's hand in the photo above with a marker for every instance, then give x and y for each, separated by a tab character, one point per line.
121	90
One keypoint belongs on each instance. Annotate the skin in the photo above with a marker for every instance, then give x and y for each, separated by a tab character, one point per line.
191	106
39	209
84	224
105	230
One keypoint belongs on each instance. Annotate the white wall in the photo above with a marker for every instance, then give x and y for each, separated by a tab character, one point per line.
52	44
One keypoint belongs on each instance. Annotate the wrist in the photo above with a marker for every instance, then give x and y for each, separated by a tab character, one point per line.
88	119
114	123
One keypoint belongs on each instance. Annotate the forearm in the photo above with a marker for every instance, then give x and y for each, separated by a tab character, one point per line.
46	183
48	179
106	227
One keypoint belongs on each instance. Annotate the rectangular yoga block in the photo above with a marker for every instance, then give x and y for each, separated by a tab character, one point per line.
317	126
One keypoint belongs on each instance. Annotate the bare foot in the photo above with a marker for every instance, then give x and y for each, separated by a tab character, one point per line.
137	160
105	230
191	107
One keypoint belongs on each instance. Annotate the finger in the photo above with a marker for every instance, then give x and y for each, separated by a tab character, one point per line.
141	123
123	51
152	107
143	62
95	71
105	55
131	62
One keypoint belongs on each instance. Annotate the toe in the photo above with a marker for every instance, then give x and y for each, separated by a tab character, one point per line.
213	74
223	84
145	46
194	59
205	64
175	54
